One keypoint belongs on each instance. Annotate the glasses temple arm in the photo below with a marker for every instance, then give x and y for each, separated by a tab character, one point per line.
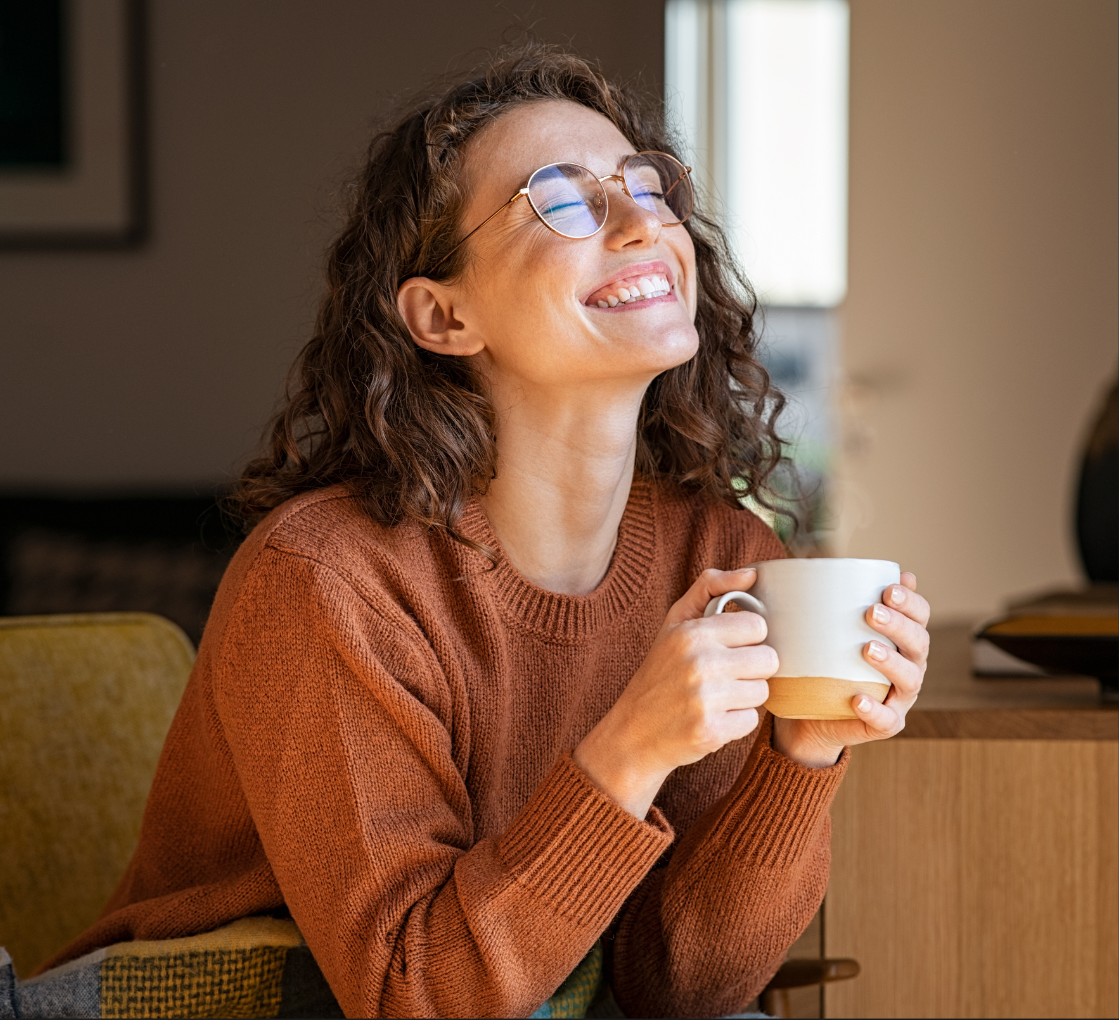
687	170
523	191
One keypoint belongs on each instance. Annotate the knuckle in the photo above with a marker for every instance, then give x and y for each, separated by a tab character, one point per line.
692	680
696	707
701	732
760	662
758	692
698	670
709	574
686	639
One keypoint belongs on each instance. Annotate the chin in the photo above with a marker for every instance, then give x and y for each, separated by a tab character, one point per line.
665	348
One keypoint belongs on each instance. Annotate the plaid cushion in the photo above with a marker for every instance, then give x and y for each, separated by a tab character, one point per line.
255	967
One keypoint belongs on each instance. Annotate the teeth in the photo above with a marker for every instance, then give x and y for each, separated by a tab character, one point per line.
645	287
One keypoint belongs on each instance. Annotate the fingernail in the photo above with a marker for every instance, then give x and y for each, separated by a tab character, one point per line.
881	613
864	704
877	651
897	596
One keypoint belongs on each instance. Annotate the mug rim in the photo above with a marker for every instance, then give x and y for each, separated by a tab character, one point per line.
824	559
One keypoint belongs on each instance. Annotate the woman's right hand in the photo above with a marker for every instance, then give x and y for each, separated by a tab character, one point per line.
699	688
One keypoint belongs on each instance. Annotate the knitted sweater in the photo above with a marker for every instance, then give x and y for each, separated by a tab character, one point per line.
377	734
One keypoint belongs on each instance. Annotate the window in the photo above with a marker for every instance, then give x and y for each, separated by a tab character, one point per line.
757	92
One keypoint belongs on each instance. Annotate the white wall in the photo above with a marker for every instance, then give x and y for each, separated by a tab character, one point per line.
158	367
981	321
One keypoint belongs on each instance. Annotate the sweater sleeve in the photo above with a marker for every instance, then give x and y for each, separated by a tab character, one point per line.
333	716
703	936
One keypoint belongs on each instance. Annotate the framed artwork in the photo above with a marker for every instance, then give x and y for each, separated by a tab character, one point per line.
72	166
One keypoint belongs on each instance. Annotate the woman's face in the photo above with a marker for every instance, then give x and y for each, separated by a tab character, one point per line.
528	307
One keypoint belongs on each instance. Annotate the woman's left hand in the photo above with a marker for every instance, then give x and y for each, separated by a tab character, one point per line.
901	616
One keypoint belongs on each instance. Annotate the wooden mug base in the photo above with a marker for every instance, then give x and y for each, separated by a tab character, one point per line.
819	697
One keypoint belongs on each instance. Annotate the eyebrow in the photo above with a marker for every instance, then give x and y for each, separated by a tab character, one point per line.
621	162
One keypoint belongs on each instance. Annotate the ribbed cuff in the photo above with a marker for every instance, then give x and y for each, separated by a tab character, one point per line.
778	804
578	850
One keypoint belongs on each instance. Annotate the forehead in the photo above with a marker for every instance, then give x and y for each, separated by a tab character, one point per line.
535	134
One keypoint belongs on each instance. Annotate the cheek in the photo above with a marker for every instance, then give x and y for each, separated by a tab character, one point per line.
527	271
685	251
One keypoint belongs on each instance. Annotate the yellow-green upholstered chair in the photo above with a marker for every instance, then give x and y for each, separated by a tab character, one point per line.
85	705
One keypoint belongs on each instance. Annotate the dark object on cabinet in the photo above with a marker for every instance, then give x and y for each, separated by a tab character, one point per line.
1097	497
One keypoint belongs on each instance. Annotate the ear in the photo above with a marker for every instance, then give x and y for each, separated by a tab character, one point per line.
428	309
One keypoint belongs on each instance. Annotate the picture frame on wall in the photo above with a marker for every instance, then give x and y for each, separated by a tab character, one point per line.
72	154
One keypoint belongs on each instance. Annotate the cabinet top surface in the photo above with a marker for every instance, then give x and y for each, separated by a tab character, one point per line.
956	704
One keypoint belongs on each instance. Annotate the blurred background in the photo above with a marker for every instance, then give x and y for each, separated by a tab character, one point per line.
923	192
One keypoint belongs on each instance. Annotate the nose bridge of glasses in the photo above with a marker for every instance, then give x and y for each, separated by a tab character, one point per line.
625	188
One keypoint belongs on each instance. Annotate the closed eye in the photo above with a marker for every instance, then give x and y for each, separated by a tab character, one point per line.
560	206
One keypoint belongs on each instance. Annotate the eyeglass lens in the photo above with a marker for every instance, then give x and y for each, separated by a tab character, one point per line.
660	184
569	198
572	201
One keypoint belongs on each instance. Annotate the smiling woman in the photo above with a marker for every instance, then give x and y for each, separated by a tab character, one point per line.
457	708
411	426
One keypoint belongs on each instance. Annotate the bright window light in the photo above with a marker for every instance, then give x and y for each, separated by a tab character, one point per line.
758	90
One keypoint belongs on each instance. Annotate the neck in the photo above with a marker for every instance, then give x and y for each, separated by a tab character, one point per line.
564	469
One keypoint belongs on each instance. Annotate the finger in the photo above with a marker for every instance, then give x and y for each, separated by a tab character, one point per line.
734	630
751	662
880	720
906	600
709	585
911	638
900	702
846	731
735	725
909	579
739	695
905	675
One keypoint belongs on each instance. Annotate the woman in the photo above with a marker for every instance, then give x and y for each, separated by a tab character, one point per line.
456	707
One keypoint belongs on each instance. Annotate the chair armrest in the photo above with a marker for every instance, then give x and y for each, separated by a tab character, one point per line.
802	973
775	1000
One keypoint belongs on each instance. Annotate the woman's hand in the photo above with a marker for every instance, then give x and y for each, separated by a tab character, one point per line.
901	616
699	688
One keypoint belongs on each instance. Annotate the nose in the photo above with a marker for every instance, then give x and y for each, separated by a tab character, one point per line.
628	223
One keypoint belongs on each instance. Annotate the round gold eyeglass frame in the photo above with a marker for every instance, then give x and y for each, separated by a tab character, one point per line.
524	193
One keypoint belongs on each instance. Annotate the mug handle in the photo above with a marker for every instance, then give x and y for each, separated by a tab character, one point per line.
740	598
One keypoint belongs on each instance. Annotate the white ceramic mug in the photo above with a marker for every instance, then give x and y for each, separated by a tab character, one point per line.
815	612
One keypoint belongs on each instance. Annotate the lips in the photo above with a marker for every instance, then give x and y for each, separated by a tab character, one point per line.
642	282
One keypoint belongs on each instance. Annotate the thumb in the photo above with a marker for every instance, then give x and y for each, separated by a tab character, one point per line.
709	585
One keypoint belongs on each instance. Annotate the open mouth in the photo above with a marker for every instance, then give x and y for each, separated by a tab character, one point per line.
632	289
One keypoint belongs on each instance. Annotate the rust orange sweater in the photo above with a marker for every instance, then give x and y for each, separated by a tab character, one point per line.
377	734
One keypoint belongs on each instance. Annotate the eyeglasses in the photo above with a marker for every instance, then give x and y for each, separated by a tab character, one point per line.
570	200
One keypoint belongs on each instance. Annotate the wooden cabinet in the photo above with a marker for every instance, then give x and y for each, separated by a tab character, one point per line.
975	858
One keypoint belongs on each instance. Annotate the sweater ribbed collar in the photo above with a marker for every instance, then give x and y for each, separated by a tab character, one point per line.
573	618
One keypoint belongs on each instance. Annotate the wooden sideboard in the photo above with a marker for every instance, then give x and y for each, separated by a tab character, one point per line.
975	858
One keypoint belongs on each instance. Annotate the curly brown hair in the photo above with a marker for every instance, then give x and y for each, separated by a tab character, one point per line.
412	432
